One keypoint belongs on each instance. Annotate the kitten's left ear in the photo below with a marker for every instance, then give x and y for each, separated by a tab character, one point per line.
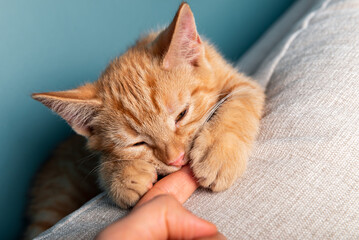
181	40
77	106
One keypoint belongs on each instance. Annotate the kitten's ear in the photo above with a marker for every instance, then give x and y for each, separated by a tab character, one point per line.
181	40
77	106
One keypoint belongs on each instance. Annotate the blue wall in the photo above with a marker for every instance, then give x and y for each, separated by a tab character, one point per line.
56	45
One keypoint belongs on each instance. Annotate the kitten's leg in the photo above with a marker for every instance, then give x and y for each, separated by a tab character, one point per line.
126	181
221	148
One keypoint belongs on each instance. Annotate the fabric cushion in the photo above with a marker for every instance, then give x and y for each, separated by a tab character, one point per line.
302	180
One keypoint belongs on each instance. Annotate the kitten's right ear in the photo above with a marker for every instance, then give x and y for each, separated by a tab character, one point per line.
77	106
180	43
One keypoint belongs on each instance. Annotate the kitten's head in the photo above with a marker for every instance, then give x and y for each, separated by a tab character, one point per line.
149	103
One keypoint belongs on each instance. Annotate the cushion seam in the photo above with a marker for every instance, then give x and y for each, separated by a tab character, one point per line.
292	37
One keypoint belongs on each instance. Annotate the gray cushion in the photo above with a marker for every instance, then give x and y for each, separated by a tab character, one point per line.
302	180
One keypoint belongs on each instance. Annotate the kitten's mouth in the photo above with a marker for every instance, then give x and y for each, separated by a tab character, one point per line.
175	165
180	161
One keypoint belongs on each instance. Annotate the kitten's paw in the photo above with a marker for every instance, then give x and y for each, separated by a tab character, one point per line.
216	160
132	183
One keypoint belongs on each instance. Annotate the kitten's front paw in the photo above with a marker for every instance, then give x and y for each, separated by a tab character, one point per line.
132	182
216	160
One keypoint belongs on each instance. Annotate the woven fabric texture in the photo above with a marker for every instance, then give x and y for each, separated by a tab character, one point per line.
302	180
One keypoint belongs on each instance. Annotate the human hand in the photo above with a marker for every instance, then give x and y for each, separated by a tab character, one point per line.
160	215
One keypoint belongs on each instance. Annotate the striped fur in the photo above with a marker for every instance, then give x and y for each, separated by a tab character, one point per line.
168	95
63	184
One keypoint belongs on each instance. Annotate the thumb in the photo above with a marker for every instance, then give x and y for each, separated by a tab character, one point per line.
180	184
182	224
162	217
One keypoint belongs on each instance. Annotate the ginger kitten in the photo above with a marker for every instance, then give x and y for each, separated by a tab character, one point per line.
171	99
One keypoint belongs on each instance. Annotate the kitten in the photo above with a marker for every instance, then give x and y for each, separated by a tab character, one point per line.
171	99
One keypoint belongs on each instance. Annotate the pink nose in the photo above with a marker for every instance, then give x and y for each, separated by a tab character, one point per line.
179	161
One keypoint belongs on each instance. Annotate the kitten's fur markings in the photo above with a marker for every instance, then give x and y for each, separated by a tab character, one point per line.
169	100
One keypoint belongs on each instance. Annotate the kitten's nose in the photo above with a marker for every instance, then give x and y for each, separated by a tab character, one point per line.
179	161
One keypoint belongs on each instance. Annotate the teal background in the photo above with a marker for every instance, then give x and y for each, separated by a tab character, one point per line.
57	45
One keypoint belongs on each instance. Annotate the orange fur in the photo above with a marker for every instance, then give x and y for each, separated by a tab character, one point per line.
63	185
169	94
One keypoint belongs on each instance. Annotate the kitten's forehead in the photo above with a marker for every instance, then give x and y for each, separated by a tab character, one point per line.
175	100
136	85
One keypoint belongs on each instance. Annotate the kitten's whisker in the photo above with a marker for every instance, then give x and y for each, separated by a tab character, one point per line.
117	145
86	158
215	107
101	164
93	170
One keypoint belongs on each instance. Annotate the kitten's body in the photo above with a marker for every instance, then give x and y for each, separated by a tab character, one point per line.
65	182
169	100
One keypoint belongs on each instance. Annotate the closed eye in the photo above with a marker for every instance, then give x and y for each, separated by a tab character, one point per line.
139	144
181	115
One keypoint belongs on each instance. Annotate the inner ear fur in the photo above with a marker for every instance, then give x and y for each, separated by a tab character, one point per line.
180	43
77	106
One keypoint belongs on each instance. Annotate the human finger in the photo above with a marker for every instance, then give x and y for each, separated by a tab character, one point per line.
180	184
217	236
162	217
